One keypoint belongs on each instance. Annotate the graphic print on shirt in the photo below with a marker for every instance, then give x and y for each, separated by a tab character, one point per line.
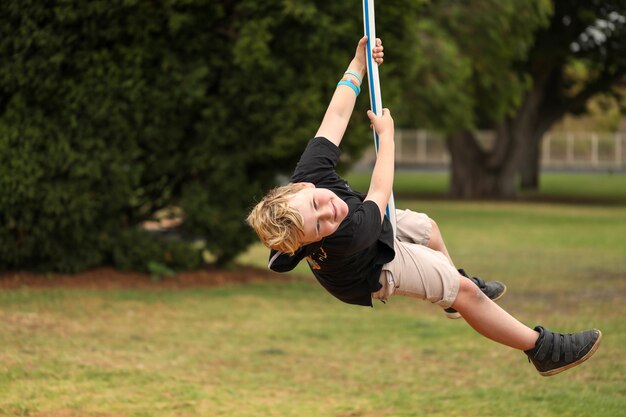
316	258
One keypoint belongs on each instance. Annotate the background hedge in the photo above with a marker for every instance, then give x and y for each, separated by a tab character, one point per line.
112	110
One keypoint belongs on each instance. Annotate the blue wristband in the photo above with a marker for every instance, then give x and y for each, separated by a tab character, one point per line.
356	89
356	74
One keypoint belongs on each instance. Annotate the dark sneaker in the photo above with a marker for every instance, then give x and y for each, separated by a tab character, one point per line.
492	289
556	352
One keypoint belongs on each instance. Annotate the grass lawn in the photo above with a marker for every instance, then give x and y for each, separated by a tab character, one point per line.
606	187
290	349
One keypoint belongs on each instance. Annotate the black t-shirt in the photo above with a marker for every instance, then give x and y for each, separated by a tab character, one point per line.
348	262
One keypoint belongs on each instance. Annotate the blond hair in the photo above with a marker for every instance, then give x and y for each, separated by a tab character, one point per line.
278	225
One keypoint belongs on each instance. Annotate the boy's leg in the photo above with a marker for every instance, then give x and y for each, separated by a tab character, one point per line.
420	272
550	352
436	241
490	320
493	289
420	229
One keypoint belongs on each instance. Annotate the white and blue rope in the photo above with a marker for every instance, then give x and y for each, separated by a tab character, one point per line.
376	101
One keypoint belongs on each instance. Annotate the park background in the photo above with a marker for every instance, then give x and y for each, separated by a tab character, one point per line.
135	136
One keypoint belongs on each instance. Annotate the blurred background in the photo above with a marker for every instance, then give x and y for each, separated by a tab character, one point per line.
136	135
117	113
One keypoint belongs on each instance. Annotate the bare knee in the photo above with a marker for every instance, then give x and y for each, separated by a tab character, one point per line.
435	229
435	236
469	294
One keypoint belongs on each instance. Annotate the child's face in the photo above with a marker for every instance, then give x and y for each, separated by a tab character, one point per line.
322	211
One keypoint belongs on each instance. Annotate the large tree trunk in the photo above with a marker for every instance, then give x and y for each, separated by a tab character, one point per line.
530	160
529	171
535	117
530	164
542	107
477	173
492	173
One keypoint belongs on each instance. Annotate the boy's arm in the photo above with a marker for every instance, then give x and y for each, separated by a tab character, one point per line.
341	105
382	175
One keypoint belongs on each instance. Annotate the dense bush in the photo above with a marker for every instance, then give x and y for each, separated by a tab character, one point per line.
138	250
96	108
113	109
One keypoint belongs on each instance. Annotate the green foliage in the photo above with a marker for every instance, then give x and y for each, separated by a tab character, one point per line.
603	114
460	66
158	271
112	110
90	127
141	251
477	61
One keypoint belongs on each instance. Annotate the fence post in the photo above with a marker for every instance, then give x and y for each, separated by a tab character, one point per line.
618	150
399	147
570	149
421	146
416	137
594	149
446	157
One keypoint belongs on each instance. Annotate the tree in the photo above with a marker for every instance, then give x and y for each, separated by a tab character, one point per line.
465	79
514	68
112	110
580	55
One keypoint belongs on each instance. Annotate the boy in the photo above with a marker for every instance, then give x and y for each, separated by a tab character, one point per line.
349	245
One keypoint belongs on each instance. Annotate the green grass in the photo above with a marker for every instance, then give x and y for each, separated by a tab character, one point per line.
290	349
603	186
606	186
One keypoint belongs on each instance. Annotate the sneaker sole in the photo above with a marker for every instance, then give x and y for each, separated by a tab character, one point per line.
457	315
453	316
579	361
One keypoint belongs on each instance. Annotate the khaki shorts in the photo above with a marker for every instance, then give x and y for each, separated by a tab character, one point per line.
418	271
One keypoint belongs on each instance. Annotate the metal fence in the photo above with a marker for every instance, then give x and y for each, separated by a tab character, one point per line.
575	150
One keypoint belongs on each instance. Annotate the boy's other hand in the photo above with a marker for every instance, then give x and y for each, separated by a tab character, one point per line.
383	124
377	52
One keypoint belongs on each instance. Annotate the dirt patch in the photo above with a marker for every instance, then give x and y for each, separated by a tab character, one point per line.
109	278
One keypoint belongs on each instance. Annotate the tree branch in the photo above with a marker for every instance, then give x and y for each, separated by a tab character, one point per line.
602	84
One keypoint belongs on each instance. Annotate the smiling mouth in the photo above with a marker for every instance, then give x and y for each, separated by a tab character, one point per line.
334	211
